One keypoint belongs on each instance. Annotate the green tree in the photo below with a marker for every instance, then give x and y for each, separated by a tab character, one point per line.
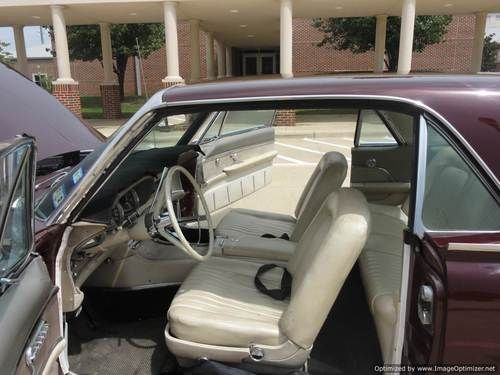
490	50
84	43
5	56
357	34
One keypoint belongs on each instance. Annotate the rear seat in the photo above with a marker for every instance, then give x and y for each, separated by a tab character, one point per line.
381	264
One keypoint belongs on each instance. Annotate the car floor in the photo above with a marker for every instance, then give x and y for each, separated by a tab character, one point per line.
122	333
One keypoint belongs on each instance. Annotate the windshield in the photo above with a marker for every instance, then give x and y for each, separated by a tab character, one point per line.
165	133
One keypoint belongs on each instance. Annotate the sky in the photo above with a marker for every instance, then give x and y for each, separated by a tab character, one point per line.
37	39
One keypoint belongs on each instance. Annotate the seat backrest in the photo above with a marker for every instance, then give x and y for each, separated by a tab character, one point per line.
328	176
324	257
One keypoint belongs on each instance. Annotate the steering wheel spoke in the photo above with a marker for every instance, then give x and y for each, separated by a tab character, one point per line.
166	220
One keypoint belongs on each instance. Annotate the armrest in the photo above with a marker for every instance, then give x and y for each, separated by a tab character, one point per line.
260	248
251	162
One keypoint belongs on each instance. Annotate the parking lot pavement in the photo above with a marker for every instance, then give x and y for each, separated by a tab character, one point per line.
296	160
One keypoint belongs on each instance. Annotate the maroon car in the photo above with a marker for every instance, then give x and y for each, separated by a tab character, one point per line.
180	246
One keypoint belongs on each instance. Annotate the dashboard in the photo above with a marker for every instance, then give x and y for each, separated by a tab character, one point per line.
125	208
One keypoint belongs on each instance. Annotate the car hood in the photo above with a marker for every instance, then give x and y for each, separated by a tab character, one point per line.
26	108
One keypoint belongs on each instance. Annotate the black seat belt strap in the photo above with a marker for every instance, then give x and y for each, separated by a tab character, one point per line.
286	283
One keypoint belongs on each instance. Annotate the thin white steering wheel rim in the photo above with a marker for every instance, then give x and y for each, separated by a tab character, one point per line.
182	243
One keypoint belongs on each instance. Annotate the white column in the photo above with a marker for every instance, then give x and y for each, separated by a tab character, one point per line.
194	41
107	53
477	48
221	59
171	42
406	36
61	42
210	56
22	60
380	32
229	62
286	39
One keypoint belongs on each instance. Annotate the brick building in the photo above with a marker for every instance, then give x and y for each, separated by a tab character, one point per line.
223	38
453	55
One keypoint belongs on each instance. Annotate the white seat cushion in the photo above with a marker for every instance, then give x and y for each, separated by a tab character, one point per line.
381	264
242	222
218	304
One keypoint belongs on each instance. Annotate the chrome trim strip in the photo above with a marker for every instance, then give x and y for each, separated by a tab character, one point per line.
418	225
483	247
133	126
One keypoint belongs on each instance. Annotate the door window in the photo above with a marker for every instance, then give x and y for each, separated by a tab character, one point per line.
372	131
455	198
239	121
15	239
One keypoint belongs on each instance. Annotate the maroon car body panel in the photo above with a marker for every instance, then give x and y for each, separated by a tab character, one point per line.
26	108
472	326
470	103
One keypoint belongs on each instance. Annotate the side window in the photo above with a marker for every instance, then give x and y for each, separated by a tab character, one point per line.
372	131
214	129
15	239
240	121
455	198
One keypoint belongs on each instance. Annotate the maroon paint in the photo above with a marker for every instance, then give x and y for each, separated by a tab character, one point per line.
472	327
26	108
470	103
47	242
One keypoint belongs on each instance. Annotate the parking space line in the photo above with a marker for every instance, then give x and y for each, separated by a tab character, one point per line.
292	160
326	143
299	148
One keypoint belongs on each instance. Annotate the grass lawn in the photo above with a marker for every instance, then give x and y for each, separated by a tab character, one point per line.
92	106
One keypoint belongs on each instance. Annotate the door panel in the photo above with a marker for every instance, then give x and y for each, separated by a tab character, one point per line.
473	277
382	173
20	307
236	165
382	158
29	316
427	305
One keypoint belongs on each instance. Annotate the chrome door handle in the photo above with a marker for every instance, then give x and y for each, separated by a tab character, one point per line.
234	156
425	305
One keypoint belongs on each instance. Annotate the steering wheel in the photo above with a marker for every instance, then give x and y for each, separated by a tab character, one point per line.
179	240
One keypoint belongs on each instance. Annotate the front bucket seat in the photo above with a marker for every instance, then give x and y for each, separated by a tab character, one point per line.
328	176
219	314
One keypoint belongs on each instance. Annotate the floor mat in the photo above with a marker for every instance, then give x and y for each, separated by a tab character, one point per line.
347	343
130	344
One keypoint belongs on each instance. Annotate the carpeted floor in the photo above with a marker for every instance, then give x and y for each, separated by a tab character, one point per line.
122	333
347	344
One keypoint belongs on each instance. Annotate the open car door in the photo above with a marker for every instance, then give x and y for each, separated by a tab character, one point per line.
239	151
31	334
453	295
382	155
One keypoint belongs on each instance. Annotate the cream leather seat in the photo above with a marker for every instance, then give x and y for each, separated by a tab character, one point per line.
380	265
218	312
328	175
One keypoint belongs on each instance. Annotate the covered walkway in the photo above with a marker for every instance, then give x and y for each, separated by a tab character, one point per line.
226	25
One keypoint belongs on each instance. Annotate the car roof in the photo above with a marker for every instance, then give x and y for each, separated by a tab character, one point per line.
470	103
26	108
